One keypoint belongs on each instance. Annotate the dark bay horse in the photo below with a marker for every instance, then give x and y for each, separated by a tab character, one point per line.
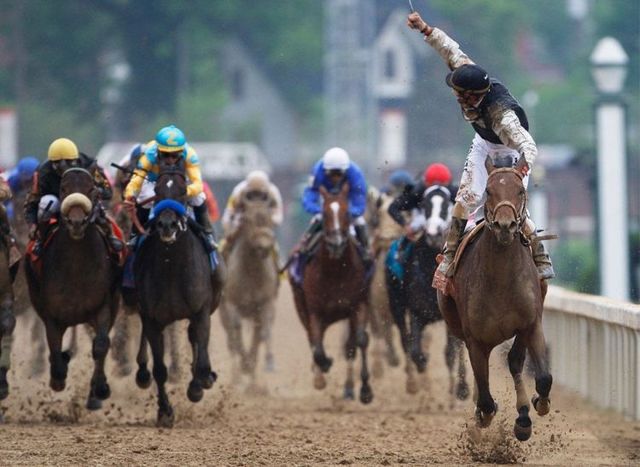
174	281
7	319
408	296
495	294
334	288
76	281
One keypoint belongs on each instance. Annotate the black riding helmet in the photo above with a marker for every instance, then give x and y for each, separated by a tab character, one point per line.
469	78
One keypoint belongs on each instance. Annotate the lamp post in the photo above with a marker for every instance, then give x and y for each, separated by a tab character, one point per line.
609	70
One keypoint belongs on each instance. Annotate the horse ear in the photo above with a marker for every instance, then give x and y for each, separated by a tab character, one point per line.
323	191
488	164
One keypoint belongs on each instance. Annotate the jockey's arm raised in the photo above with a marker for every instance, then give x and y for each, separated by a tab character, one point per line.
512	134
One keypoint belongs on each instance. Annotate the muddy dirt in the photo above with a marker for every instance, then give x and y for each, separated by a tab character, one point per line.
282	420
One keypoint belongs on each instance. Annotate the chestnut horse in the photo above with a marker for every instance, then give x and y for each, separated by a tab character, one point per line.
76	282
174	281
335	287
495	294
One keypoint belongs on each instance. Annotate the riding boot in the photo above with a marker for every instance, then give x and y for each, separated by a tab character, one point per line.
105	226
453	241
307	242
363	239
542	259
202	218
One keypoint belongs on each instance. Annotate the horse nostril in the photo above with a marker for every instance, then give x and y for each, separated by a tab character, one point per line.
513	226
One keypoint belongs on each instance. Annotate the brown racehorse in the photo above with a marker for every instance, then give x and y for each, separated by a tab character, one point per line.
76	282
335	287
496	295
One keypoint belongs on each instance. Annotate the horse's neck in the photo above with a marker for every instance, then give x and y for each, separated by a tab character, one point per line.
497	260
247	257
348	257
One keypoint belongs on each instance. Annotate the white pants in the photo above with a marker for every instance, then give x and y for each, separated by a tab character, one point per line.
148	190
474	176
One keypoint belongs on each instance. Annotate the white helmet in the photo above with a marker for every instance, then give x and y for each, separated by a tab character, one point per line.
257	180
336	159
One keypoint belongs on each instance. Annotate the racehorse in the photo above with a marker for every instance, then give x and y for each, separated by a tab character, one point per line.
75	281
7	319
385	230
252	285
174	280
335	287
408	294
495	294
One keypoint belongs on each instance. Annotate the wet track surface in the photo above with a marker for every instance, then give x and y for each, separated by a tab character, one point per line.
282	420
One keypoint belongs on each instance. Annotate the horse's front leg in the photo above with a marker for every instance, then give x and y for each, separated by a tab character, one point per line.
7	325
269	316
58	360
538	351
120	342
174	346
417	354
453	352
143	377
517	354
99	387
359	322
153	332
203	377
485	405
39	341
350	355
316	337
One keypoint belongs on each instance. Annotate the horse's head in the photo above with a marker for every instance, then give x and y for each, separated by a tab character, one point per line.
171	195
258	228
506	202
78	195
435	205
335	219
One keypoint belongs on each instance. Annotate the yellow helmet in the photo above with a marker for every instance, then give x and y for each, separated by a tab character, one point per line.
62	148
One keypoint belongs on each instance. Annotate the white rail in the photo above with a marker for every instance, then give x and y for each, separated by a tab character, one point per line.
594	345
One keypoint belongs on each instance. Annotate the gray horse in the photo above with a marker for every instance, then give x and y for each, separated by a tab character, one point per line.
252	287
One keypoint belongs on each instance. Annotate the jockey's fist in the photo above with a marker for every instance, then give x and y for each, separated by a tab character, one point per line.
414	21
130	204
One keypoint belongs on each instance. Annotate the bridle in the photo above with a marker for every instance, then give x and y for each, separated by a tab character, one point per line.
519	214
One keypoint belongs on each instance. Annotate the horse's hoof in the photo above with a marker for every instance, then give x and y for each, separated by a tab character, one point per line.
143	378
462	391
194	391
93	403
483	420
366	394
323	362
207	381
412	386
421	362
319	382
522	427
102	390
349	393
541	404
57	384
165	419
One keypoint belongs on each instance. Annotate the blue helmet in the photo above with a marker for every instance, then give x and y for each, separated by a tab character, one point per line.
27	166
170	139
400	178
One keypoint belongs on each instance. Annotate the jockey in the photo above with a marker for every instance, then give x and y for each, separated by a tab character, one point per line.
129	163
256	186
42	203
501	127
332	171
398	180
169	145
20	179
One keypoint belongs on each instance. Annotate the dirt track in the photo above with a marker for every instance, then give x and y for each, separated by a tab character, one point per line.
286	422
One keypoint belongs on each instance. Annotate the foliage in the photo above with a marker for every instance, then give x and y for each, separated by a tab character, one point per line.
576	266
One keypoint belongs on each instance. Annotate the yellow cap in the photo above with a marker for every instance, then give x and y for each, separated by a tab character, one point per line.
62	148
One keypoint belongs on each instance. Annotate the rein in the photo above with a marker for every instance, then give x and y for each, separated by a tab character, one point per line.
518	214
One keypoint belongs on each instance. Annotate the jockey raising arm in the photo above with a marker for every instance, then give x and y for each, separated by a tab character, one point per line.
501	128
170	145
